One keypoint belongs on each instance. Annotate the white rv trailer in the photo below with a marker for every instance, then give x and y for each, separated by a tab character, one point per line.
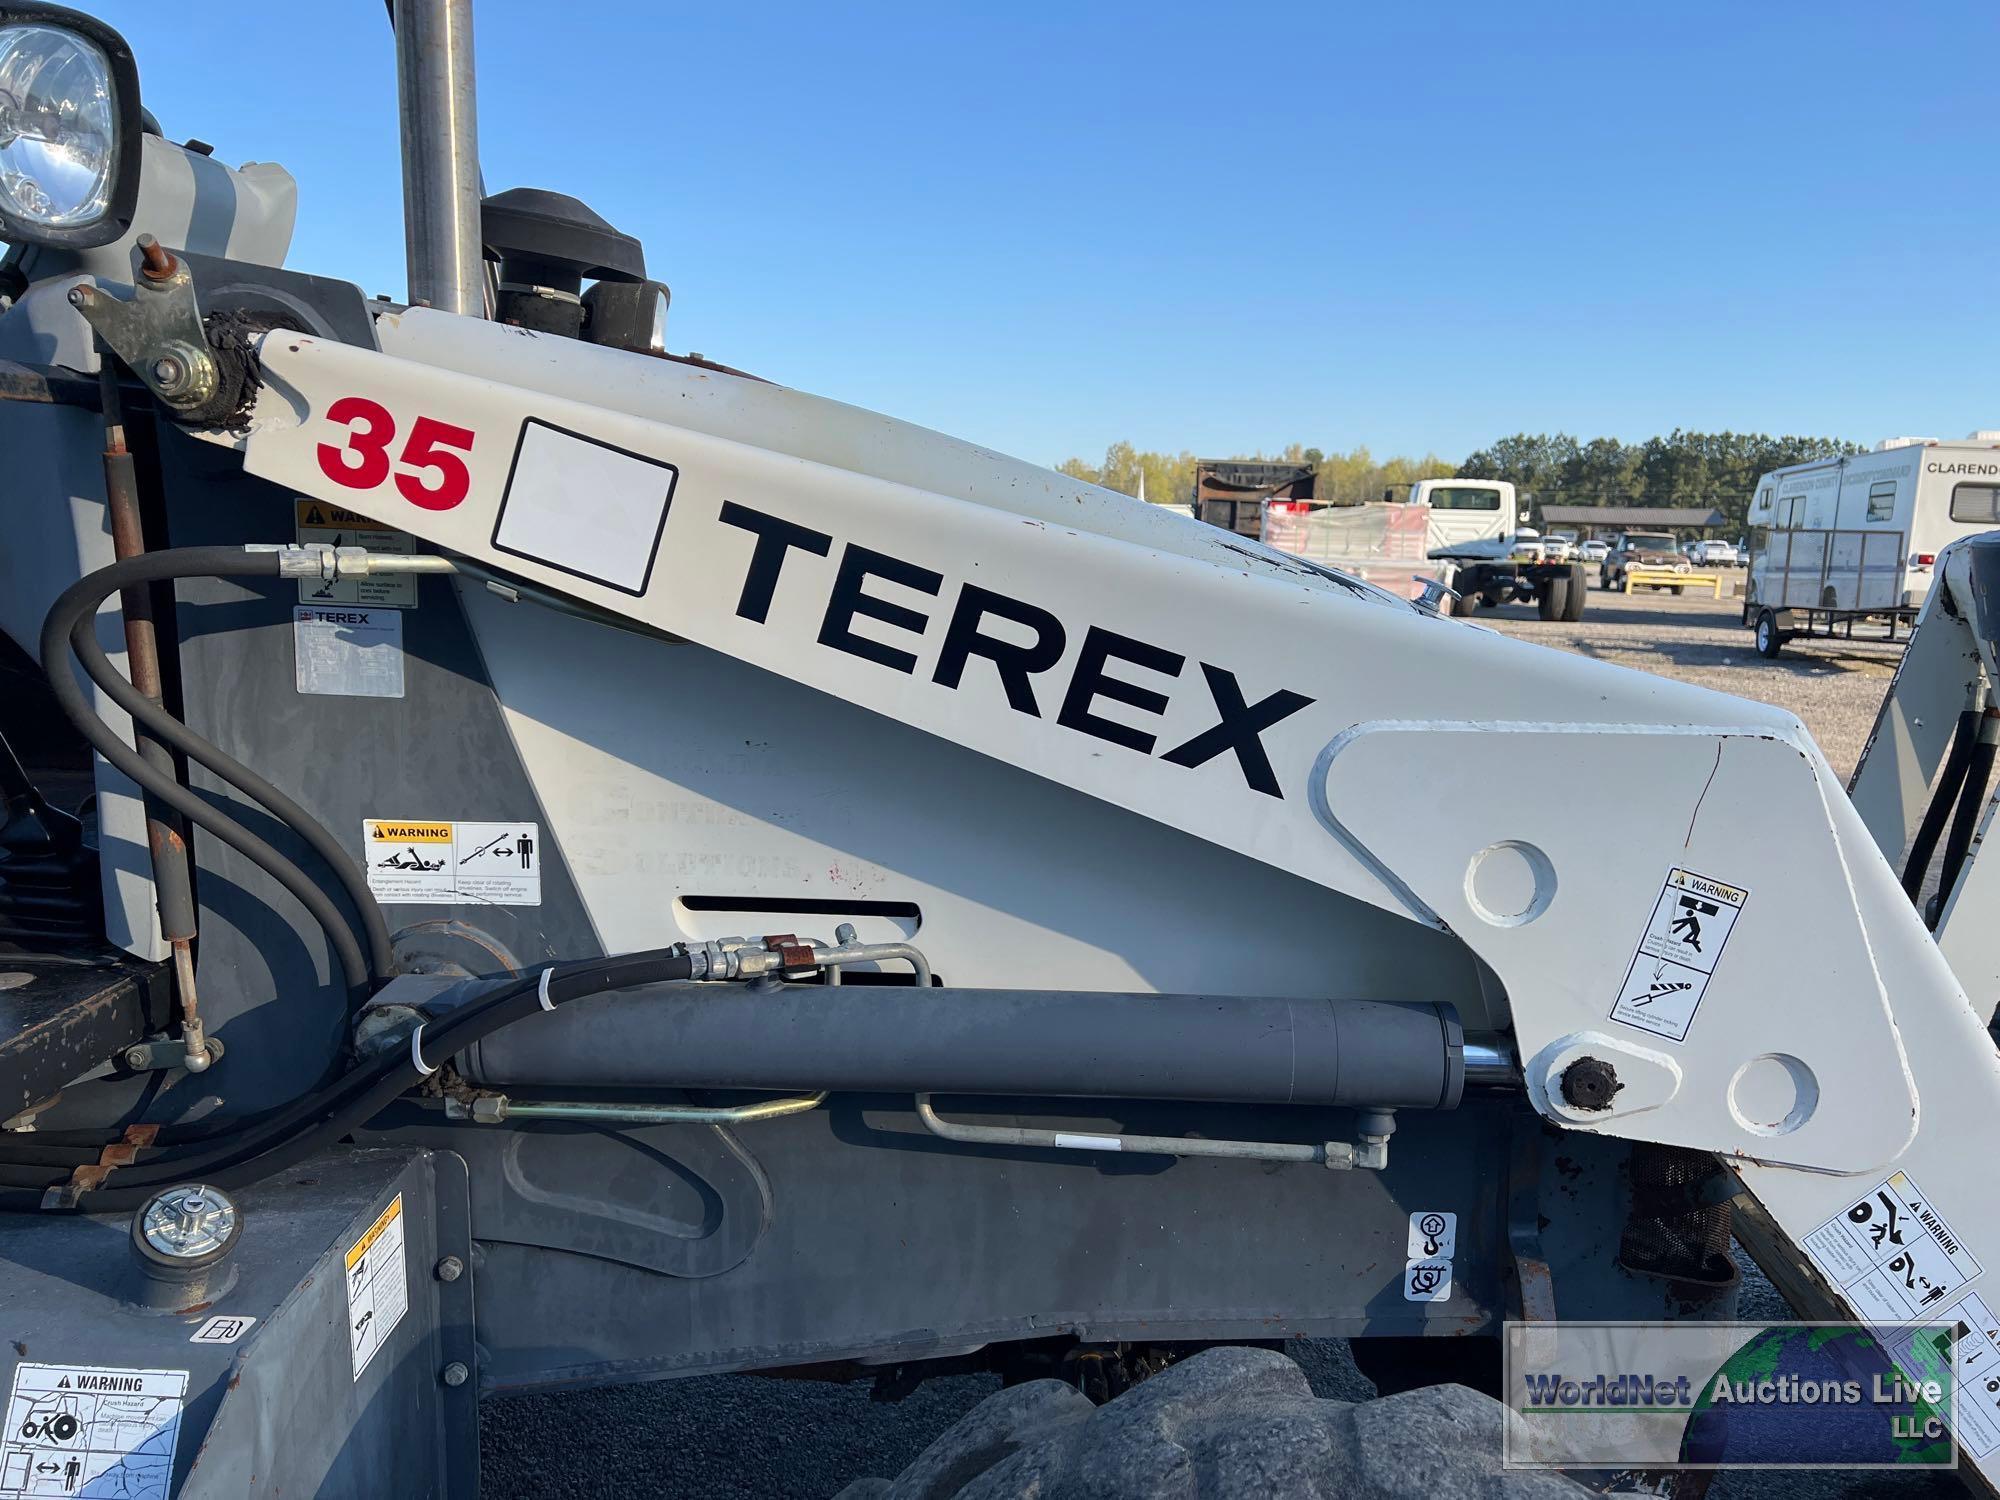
1856	539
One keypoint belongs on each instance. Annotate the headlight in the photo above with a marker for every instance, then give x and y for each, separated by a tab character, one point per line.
69	128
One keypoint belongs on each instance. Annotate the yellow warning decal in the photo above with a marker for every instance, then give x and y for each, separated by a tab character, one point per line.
388	1216
319	513
1687	880
409	833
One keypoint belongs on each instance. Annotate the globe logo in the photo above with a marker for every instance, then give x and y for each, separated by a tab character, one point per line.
1782	1399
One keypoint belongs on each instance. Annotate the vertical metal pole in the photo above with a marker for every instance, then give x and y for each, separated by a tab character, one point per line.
435	92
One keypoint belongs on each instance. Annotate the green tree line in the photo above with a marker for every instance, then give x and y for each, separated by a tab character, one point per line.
1344	478
1690	469
1697	470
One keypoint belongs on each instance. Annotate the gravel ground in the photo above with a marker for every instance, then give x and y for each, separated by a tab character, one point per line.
741	1436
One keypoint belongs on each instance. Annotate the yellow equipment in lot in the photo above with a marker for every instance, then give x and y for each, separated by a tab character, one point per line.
1662	578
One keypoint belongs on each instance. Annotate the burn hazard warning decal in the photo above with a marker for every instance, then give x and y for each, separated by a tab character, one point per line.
439	862
332	526
1677	953
89	1430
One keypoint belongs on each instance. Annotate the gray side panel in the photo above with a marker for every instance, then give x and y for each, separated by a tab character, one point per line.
886	1242
441	751
280	1411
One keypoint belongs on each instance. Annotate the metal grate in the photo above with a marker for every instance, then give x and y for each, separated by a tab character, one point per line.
1679	1222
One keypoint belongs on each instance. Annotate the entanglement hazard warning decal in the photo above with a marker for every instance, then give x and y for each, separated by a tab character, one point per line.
427	860
91	1430
1678	952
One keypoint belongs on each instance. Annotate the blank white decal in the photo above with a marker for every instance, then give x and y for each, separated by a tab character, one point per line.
584	507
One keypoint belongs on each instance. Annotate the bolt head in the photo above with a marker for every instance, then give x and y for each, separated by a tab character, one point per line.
455	1374
189	1222
450	1268
1590	1083
169	371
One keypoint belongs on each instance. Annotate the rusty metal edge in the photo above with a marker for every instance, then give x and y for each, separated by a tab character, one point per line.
48	385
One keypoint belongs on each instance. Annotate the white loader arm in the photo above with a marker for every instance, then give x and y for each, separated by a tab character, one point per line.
1669	882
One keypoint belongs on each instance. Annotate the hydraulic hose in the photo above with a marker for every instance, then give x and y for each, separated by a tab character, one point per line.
1965	818
322	1117
171	731
77	605
1943	799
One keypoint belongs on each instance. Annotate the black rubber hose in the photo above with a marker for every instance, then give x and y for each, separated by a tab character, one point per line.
324	1116
1943	798
79	603
1964	823
164	727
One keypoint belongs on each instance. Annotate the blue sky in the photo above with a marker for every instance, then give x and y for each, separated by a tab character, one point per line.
1221	227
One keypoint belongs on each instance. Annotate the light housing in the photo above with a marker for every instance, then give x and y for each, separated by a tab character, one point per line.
630	315
69	128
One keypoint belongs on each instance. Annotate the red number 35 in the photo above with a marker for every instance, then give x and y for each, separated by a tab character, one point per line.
362	462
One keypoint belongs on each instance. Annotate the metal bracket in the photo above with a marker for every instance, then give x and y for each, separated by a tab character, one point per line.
452	1275
158	332
167	1055
89	1178
1435	592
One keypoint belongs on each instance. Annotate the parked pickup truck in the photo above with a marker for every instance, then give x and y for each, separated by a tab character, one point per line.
1640	549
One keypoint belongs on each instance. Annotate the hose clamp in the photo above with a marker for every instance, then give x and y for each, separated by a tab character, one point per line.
417	1051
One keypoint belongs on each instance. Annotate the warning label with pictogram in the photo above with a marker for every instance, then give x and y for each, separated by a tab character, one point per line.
91	1430
332	526
378	1285
1677	953
1892	1254
439	863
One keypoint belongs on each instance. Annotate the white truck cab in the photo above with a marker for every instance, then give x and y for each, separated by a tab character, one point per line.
1466	510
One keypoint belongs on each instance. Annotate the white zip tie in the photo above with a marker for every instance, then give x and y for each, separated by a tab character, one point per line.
417	1051
543	988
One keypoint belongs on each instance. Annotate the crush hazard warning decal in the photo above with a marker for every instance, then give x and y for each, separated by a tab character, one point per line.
1677	953
90	1430
439	862
1892	1254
